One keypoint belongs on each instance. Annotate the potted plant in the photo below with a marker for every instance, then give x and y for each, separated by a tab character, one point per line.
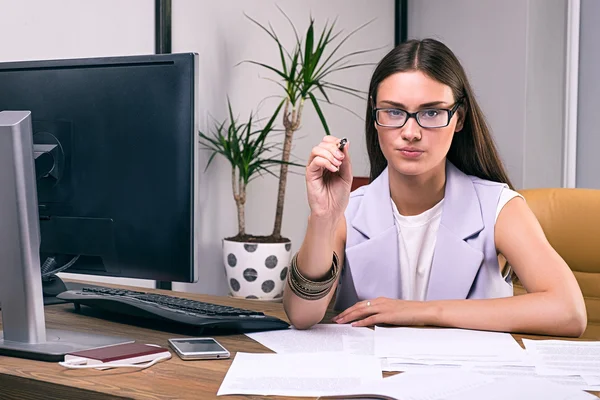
244	146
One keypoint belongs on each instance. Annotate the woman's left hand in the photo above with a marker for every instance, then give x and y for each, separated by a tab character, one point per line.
387	311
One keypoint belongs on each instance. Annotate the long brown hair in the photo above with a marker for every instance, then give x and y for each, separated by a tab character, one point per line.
472	150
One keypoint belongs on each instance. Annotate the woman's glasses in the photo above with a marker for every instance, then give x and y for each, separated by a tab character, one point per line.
428	118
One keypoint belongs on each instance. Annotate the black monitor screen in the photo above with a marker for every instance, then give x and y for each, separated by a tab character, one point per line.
120	190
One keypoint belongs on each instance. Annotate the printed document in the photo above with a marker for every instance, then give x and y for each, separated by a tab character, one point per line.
564	357
446	346
314	374
321	338
522	388
457	385
513	371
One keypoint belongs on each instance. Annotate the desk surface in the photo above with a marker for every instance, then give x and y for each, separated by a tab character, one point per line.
174	379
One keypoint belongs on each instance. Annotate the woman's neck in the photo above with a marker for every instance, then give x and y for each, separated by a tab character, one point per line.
414	194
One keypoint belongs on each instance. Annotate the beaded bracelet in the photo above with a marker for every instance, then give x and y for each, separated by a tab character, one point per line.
308	289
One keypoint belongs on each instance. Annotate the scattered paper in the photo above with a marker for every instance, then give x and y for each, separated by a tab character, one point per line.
512	371
322	338
564	357
446	346
315	374
417	386
447	364
463	385
521	388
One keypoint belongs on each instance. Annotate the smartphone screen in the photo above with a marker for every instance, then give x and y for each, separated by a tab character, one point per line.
201	345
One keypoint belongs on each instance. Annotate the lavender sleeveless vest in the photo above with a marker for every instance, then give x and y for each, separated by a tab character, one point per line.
465	263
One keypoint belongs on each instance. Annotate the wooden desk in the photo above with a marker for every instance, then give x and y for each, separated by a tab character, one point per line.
173	379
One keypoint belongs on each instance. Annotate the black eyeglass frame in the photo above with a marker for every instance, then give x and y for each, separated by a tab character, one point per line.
451	112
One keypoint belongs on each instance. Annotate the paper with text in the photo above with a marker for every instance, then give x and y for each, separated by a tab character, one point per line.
416	386
315	374
511	371
462	385
321	338
522	388
446	346
359	344
564	357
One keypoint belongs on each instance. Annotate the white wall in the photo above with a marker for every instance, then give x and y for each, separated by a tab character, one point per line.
223	37
545	93
513	52
588	126
59	29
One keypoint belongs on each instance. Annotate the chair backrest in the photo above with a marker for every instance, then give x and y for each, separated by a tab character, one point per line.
359	181
570	219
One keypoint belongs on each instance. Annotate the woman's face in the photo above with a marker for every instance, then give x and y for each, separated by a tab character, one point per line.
412	149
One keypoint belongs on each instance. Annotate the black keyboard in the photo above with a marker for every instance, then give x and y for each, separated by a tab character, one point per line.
196	314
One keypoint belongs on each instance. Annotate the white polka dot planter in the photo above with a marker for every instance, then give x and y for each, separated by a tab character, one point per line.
256	270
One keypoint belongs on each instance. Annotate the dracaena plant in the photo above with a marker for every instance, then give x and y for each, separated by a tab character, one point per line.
244	146
305	74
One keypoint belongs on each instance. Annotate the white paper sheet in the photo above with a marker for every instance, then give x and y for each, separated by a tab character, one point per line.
322	338
315	374
522	388
564	357
421	386
513	371
417	386
446	346
462	385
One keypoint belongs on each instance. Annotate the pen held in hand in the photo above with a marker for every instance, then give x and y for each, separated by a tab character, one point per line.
340	147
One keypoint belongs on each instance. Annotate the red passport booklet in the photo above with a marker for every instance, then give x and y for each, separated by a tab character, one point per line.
128	353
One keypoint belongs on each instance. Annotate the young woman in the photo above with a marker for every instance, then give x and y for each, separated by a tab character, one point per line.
420	244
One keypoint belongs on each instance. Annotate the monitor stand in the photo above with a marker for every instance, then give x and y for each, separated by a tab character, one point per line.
23	321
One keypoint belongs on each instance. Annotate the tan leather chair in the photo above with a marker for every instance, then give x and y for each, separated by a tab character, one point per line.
570	219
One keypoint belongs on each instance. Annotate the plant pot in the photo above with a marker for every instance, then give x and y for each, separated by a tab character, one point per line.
256	270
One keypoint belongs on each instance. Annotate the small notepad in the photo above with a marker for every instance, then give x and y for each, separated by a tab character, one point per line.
128	353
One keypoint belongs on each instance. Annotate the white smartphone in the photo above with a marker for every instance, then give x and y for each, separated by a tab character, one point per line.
198	348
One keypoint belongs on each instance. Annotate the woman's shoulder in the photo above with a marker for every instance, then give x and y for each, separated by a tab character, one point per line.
484	183
498	193
480	184
358	192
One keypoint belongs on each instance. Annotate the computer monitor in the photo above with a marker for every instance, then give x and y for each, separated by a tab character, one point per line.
117	152
97	174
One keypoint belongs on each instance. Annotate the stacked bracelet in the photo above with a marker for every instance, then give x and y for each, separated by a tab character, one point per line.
308	289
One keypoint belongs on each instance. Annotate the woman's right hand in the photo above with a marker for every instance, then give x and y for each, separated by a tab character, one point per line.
328	178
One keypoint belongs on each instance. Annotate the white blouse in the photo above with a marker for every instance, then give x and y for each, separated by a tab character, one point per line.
416	239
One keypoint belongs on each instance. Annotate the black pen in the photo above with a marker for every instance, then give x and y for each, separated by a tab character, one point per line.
342	143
